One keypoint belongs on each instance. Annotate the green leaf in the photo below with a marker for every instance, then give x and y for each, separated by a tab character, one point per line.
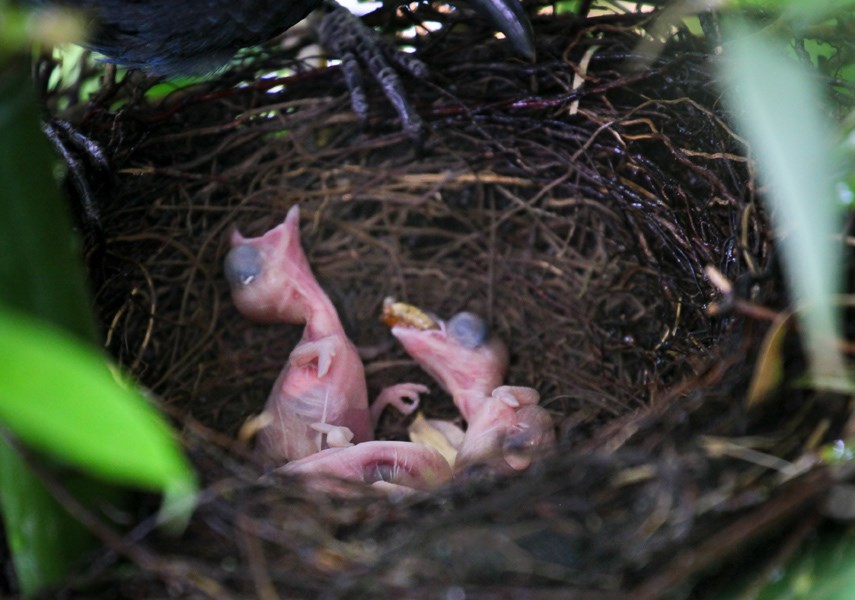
40	268
34	525
822	569
60	397
777	107
41	274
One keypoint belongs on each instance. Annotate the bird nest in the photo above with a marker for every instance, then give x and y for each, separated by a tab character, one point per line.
577	203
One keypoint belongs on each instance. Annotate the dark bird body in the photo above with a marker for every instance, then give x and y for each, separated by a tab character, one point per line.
167	37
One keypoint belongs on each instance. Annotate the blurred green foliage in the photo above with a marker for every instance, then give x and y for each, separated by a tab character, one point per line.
57	394
776	81
823	569
18	29
60	397
778	107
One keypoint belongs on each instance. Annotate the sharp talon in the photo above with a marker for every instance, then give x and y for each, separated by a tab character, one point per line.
509	17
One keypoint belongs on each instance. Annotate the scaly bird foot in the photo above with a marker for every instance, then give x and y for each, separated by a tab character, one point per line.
345	36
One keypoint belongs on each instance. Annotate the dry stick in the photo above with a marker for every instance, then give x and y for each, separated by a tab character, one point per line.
730	540
254	552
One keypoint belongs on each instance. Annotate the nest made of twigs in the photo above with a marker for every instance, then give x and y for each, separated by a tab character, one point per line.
579	219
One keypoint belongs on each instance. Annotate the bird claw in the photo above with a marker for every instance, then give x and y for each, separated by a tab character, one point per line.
344	35
86	164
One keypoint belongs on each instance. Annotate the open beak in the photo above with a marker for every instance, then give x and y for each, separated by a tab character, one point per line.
509	17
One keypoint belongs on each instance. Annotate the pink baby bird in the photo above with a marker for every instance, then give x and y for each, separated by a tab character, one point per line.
505	424
320	399
506	432
396	467
460	355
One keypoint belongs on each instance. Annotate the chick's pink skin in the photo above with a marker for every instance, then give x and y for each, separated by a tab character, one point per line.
285	290
310	412
507	432
468	374
320	398
324	380
404	465
505	427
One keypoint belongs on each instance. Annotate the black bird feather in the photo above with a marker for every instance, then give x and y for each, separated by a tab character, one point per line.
170	37
182	36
